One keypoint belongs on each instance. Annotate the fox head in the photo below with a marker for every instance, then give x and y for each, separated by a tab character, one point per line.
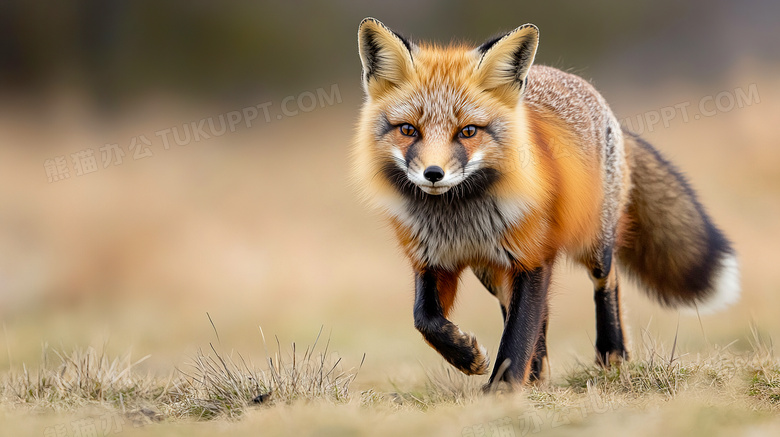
439	119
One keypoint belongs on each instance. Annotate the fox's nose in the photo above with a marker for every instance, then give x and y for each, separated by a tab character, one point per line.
434	173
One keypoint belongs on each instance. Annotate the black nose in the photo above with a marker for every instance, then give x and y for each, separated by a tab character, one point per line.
434	173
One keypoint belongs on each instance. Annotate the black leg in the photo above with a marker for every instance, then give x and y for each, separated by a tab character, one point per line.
610	339
432	287
539	361
525	318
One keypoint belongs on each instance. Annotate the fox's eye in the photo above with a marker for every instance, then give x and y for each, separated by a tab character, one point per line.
468	131
408	130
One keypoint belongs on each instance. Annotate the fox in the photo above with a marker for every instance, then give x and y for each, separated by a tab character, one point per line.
479	159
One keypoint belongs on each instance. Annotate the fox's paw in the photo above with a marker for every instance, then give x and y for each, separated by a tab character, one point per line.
481	362
457	347
474	359
611	358
539	370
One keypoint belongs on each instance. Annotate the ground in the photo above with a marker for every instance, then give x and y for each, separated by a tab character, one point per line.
213	257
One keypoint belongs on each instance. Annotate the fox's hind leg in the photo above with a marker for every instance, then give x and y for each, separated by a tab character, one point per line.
610	338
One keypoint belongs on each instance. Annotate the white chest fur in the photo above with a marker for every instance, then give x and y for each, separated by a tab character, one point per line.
456	232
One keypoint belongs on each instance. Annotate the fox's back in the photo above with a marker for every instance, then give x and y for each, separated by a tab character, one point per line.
590	130
573	100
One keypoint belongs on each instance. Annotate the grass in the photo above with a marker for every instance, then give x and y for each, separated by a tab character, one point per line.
213	385
727	386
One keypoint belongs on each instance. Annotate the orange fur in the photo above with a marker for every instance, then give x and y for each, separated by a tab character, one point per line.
448	288
506	165
560	182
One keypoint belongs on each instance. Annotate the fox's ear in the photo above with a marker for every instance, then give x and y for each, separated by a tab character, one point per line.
505	60
386	56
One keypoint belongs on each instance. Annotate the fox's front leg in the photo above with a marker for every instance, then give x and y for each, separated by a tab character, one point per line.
525	321
434	295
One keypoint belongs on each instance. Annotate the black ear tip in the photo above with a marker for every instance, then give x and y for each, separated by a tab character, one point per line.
368	20
529	26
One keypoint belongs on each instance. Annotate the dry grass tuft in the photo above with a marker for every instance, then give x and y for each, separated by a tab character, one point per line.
658	371
764	383
443	385
215	386
79	378
219	385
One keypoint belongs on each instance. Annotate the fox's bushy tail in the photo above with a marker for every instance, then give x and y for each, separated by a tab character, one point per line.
670	245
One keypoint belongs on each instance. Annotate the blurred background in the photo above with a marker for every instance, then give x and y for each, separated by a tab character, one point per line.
140	190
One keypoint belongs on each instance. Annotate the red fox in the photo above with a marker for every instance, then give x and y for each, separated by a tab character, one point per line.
480	159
